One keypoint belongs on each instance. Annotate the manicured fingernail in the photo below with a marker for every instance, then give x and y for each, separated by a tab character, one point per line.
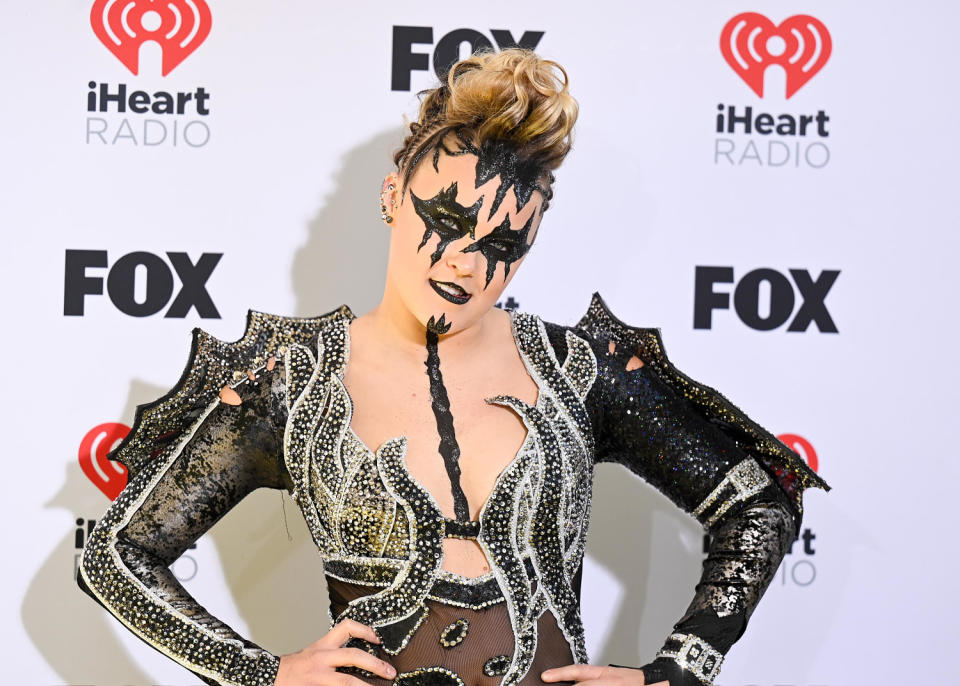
391	671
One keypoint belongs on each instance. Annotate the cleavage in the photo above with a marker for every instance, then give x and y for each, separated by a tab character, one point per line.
493	438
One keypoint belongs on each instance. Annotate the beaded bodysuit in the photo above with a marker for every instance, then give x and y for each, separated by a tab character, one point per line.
191	458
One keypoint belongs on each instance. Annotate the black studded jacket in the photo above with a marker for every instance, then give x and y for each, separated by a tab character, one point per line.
191	458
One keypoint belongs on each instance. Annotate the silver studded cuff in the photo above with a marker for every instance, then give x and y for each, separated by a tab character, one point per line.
694	654
745	479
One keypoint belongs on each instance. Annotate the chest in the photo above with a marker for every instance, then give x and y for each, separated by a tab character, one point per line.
363	453
389	399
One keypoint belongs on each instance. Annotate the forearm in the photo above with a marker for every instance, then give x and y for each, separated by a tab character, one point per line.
745	551
167	506
138	588
715	463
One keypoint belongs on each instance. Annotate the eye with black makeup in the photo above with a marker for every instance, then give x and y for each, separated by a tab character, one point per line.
444	216
503	244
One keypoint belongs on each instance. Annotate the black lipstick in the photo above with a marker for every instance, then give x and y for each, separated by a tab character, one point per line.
455	299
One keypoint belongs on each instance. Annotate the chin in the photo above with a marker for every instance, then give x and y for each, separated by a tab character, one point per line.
459	317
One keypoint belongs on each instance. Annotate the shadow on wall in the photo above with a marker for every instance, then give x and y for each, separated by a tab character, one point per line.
626	517
345	257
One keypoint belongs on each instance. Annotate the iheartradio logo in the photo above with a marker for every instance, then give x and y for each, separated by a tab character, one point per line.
177	26
118	116
109	476
750	43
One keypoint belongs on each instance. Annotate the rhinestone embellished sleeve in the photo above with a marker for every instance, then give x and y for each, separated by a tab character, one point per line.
172	499
642	423
713	462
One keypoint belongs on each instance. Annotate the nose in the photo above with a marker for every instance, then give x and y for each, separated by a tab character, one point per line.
463	263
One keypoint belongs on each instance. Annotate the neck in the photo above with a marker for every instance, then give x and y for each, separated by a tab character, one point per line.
398	328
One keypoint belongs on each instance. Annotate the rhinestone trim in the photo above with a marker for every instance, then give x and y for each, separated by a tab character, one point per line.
429	676
454	633
743	480
496	665
693	653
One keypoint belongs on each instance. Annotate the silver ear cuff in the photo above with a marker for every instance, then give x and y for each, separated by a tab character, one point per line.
383	208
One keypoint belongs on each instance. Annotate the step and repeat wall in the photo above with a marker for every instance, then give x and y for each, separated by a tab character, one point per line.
772	185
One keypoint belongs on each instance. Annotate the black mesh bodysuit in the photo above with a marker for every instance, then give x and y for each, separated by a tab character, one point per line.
191	458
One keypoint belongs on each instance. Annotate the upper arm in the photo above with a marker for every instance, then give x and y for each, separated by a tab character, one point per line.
227	452
234	450
647	425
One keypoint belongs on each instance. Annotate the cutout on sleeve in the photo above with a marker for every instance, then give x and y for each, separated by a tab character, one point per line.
633	363
231	397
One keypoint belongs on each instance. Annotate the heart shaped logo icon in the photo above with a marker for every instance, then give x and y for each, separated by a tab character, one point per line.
177	26
750	43
109	476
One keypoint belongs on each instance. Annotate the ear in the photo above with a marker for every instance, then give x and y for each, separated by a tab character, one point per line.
390	192
391	179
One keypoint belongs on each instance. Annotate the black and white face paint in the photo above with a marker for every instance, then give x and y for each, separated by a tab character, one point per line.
444	216
503	244
450	220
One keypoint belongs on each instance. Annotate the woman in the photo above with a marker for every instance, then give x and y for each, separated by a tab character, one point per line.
441	449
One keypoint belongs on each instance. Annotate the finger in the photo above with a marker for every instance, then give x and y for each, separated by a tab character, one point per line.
271	363
346	628
612	679
620	672
573	673
253	377
341	679
354	657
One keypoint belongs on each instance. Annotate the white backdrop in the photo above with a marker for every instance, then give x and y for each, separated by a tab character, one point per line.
280	178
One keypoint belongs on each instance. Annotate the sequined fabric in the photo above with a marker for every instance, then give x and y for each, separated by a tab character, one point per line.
789	469
380	533
712	461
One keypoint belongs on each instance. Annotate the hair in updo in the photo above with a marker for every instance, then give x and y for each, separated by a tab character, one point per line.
513	96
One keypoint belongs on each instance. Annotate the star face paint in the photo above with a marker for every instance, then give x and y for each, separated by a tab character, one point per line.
503	244
444	216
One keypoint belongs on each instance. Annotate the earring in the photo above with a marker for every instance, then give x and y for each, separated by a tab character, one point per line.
383	214
383	208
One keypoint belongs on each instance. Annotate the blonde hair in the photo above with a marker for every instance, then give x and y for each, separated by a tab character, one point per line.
513	96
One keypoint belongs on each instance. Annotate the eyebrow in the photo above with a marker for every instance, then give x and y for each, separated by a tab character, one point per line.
446	200
454	208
